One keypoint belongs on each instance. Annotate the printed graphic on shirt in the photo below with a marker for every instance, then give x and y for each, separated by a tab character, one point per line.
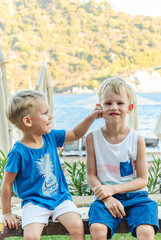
45	166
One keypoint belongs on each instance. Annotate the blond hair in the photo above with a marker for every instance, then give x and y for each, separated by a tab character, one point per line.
117	85
22	104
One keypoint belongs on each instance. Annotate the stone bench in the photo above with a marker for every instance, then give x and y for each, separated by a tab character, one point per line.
56	228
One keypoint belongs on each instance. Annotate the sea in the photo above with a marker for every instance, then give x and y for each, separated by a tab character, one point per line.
70	109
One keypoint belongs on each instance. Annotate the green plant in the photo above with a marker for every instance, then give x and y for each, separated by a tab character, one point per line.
3	161
77	179
60	150
154	179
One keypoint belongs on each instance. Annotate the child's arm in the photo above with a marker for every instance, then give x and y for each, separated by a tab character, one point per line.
140	182
83	126
91	163
113	205
9	218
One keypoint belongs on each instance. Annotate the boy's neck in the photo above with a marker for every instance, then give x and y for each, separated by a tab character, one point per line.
32	141
115	135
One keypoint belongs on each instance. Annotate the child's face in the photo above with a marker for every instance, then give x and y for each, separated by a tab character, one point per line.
41	117
115	106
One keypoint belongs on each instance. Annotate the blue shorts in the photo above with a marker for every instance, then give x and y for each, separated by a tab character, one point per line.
138	207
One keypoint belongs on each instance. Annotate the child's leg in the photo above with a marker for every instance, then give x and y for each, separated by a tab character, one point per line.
74	225
98	231
142	215
101	223
33	231
145	232
68	214
34	217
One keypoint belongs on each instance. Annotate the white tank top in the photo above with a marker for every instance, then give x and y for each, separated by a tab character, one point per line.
116	163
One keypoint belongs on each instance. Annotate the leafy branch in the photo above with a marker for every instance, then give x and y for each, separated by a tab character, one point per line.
154	179
3	161
77	179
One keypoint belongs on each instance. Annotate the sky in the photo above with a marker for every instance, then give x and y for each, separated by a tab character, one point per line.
137	7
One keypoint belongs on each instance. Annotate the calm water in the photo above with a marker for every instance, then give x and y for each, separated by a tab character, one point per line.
70	109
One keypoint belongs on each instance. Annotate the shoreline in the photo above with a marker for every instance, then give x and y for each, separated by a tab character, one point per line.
95	92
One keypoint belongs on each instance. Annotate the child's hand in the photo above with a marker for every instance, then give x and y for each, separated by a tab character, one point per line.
103	191
97	111
10	219
114	207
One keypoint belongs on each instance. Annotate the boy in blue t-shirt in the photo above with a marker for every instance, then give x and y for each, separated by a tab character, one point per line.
34	168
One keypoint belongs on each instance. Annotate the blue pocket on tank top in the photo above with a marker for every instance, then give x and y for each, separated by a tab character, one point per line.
126	168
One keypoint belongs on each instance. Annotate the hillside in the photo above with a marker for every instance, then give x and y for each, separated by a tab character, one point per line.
82	44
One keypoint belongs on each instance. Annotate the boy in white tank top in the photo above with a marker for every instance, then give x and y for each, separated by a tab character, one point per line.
117	169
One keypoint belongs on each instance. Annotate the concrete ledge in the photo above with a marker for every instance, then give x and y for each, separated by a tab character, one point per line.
82	201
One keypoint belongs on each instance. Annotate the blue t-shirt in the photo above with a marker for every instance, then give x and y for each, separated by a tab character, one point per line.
40	178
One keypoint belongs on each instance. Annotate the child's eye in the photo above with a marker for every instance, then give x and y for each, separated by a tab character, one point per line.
120	103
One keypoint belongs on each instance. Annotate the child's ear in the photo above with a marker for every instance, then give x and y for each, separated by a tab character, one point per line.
27	121
130	108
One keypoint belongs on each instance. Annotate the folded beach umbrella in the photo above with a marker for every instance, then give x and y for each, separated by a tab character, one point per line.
132	118
156	68
5	126
157	129
43	84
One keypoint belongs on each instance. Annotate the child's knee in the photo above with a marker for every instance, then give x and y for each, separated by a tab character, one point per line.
33	231
31	236
145	231
77	226
98	231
